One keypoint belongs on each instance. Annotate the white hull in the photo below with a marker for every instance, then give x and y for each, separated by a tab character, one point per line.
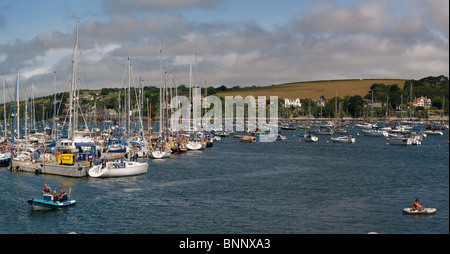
117	169
311	139
194	146
417	211
160	154
343	140
405	141
430	132
375	133
364	125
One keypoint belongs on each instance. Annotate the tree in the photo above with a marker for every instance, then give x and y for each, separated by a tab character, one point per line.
356	106
436	102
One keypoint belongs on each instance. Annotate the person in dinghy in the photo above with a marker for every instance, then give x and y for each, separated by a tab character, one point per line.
417	206
62	197
46	189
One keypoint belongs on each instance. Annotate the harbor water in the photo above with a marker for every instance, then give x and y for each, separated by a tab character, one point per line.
288	186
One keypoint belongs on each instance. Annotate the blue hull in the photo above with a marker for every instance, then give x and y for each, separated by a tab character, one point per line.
39	204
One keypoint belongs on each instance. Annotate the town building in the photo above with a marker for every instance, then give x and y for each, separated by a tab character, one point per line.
422	102
292	102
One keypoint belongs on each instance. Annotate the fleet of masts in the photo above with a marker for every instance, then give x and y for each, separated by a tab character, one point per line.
33	150
71	148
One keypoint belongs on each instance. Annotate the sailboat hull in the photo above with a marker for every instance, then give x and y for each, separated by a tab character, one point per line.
160	154
194	146
118	169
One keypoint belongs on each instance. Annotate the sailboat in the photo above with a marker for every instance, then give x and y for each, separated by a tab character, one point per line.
76	153
118	168
162	149
344	136
22	159
5	156
310	136
196	141
375	132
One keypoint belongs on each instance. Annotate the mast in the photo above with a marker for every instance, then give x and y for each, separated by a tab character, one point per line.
149	113
371	109
33	117
190	81
26	116
128	99
18	103
72	109
160	91
411	107
166	94
4	105
387	109
54	107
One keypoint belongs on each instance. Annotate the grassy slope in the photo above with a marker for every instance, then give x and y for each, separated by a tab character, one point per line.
314	89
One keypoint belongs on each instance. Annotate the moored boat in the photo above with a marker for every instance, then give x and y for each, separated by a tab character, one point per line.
248	139
160	154
433	132
343	139
310	137
5	159
118	168
375	132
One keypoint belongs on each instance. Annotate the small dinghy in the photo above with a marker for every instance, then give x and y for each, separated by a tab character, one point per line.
46	203
418	211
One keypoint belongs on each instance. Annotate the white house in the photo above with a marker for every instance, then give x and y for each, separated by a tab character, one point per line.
292	102
422	102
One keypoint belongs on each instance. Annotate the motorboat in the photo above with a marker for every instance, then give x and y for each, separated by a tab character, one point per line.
248	139
47	203
343	139
310	137
433	132
5	158
281	137
375	132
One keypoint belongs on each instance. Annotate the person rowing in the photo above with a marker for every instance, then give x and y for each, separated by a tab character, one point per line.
417	206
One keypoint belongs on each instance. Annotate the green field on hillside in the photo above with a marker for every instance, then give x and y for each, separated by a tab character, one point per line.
315	89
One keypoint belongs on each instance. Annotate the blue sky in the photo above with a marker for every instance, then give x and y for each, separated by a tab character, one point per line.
251	42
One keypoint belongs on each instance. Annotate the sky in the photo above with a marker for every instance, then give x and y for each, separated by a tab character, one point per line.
230	42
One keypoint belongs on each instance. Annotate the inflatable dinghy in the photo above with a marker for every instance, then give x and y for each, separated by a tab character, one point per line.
417	211
46	203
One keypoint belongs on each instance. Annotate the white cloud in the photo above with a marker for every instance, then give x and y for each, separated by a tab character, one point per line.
35	72
368	39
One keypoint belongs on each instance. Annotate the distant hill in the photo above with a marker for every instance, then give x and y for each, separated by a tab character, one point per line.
314	89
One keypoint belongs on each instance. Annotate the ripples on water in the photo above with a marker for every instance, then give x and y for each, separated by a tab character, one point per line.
281	187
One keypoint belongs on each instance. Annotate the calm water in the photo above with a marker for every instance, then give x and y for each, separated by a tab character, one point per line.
281	187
